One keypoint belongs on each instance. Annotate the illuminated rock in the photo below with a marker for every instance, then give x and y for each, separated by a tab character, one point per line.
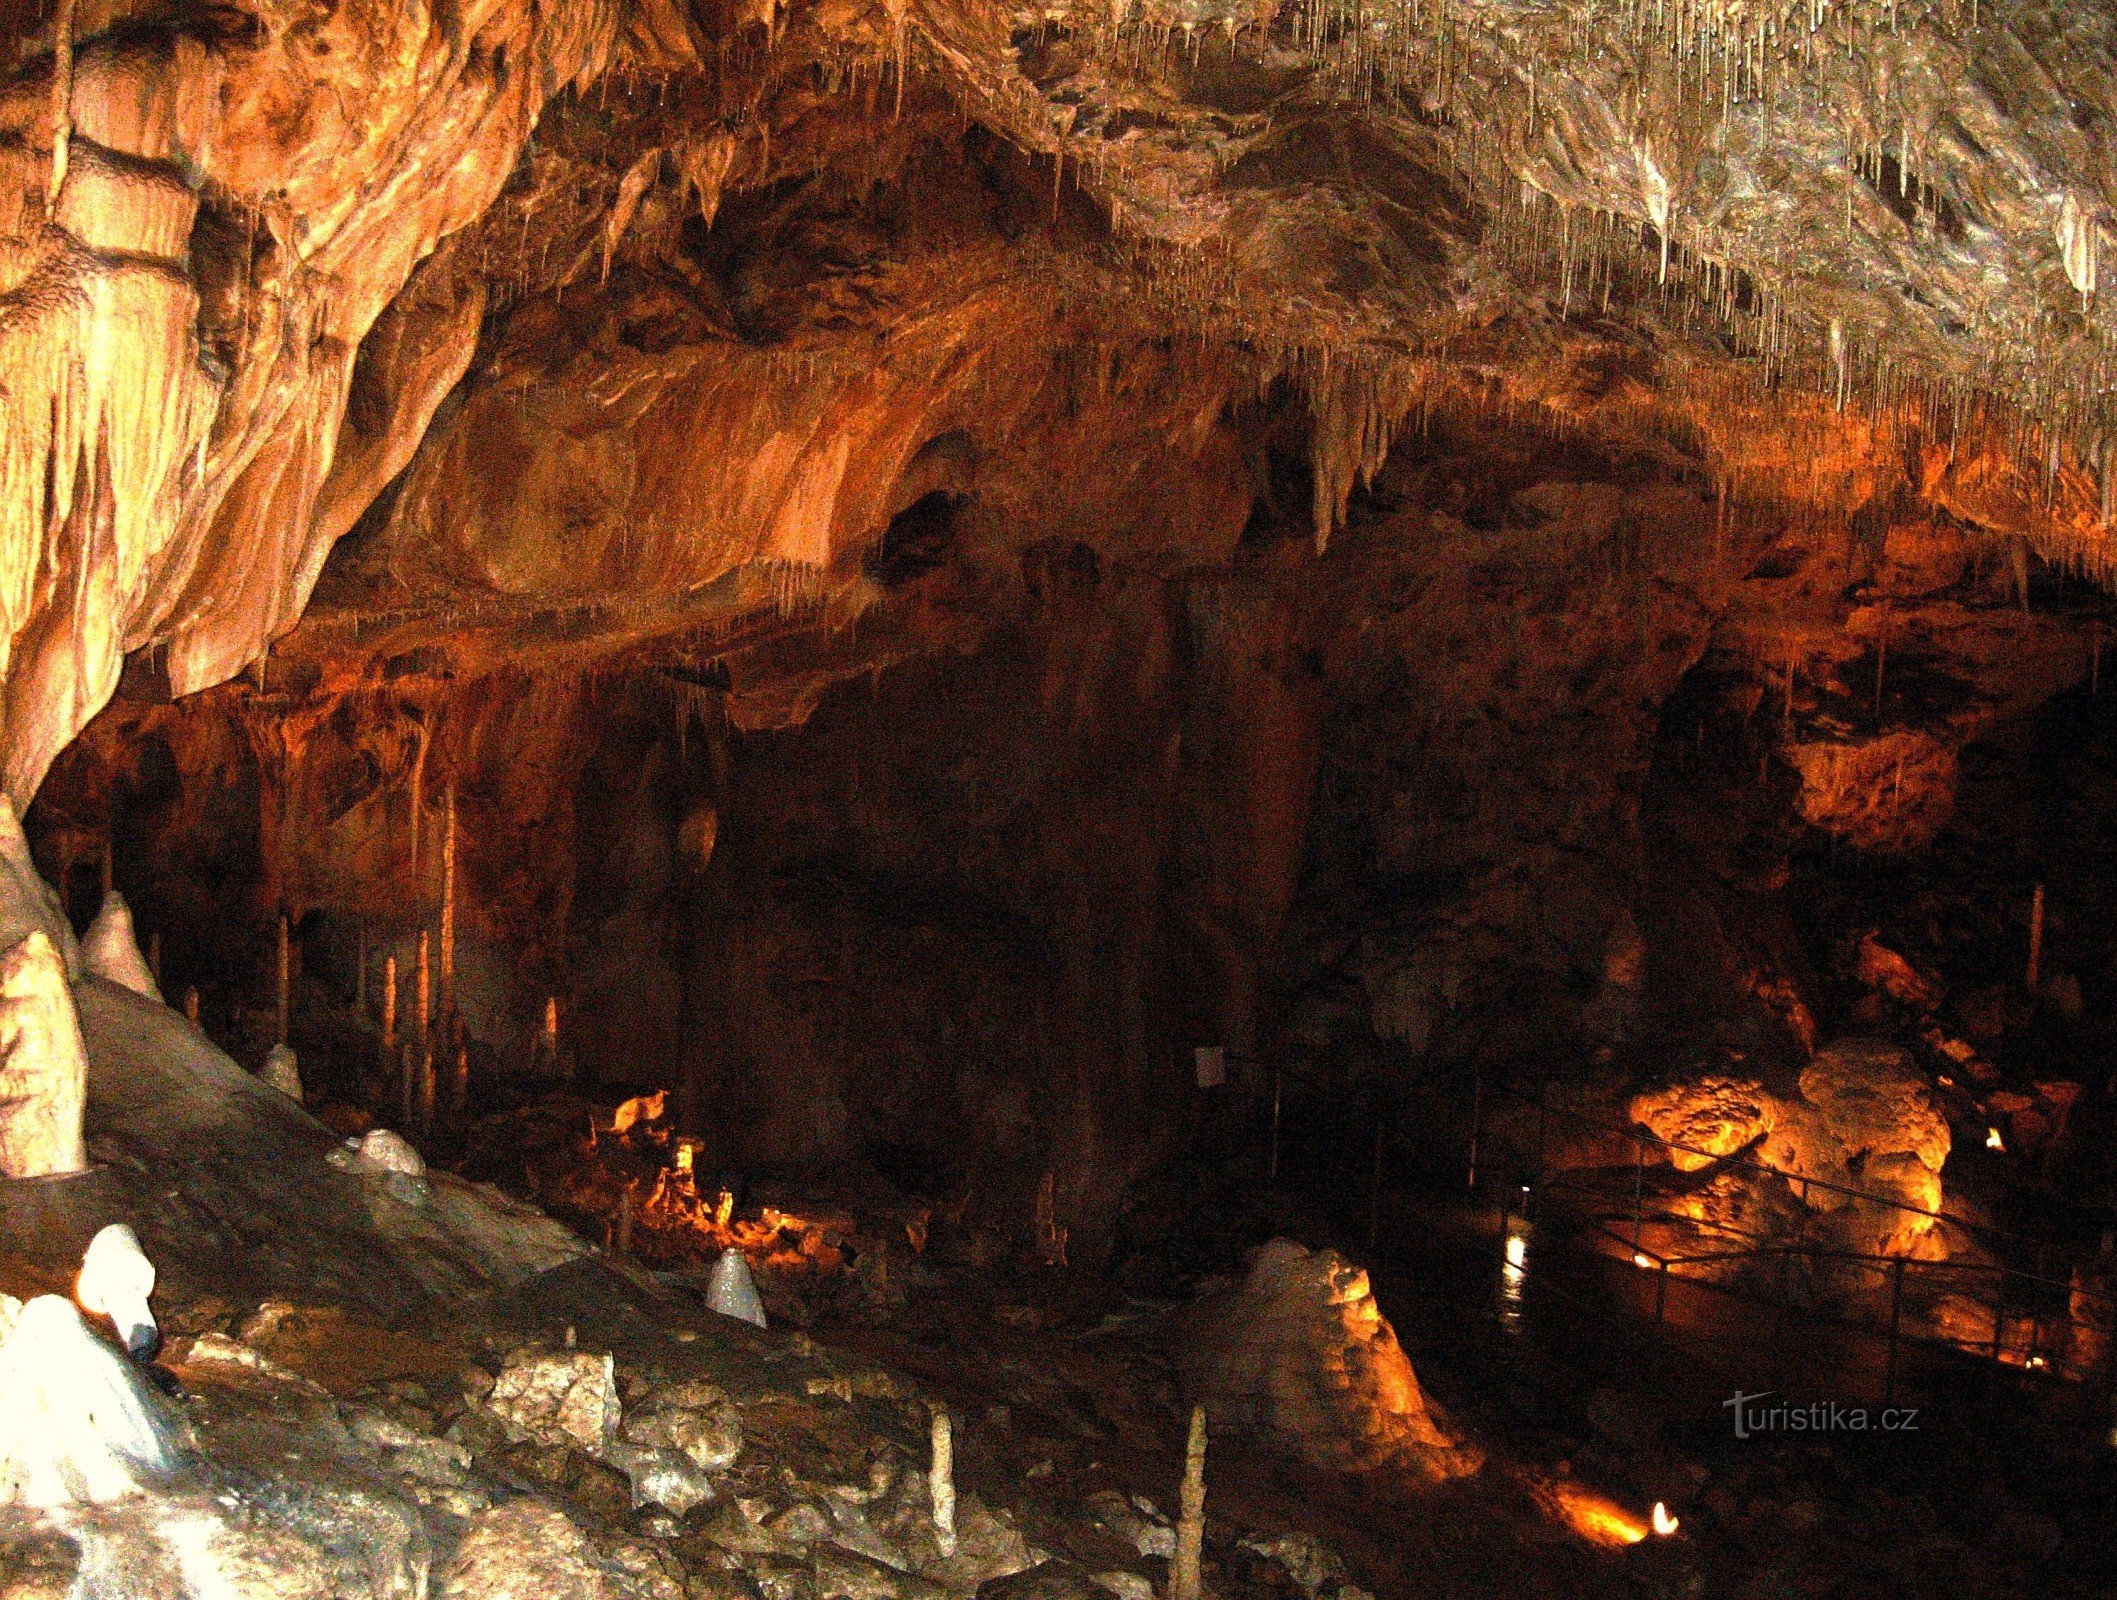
379	1151
559	1398
1301	1354
1876	1102
110	949
43	1065
116	1281
530	1551
27	903
1711	1118
77	1423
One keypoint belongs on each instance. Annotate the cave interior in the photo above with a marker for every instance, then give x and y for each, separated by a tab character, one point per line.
897	799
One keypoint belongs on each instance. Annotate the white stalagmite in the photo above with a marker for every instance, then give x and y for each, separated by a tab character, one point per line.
77	1423
282	1070
43	1065
117	1281
2079	245
942	1480
732	1292
111	948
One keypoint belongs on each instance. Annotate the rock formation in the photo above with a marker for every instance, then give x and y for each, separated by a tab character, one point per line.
282	1070
1863	1141
1302	1356
111	950
43	1065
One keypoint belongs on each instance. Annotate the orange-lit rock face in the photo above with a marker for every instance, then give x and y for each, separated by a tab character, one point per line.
280	237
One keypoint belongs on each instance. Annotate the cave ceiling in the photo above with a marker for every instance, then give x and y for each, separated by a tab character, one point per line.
514	334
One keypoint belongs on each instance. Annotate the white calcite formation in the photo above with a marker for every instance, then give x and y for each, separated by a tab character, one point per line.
77	1423
282	1070
43	1065
732	1291
111	948
117	1281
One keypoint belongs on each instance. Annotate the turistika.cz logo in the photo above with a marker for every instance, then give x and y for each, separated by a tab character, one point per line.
1754	1416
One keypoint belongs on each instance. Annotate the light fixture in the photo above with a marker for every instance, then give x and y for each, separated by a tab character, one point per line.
1517	1250
1994	1142
1664	1524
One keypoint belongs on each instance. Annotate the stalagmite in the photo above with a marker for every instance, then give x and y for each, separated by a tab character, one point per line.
117	1281
110	949
43	1065
732	1292
423	1013
77	1423
1191	1514
389	1003
2035	974
191	1005
27	903
448	902
942	1480
282	1070
283	971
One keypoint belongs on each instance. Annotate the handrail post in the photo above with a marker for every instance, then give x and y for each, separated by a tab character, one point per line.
1543	1108
1374	1186
1477	1108
1779	1319
1896	1322
1639	1179
1277	1084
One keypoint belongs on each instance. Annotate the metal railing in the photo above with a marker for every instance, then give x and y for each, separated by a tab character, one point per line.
2021	1324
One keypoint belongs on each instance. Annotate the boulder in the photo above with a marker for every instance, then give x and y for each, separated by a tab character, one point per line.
527	1550
661	1477
43	1064
1301	1354
558	1398
379	1151
111	949
694	1419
